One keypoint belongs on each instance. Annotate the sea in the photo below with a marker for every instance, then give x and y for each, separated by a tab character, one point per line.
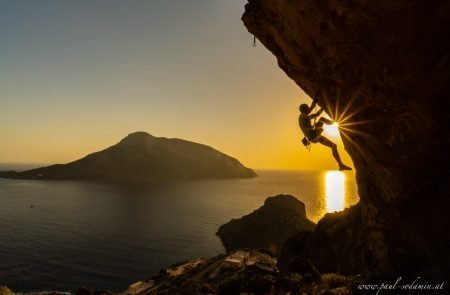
62	235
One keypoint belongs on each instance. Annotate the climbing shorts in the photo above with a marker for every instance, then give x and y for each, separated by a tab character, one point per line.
315	134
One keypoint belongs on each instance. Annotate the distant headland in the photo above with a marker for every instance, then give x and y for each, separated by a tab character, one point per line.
143	157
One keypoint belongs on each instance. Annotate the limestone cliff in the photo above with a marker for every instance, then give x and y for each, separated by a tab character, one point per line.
383	71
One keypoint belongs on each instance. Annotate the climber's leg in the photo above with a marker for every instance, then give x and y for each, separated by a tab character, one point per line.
318	125
325	120
326	142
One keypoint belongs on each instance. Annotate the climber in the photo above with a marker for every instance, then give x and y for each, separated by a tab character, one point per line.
313	133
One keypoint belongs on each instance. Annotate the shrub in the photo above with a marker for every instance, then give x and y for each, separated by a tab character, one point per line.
5	291
333	280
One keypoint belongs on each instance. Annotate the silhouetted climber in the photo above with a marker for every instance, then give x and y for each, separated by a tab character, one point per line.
313	133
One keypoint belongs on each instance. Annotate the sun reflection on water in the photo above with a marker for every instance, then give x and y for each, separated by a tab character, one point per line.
335	191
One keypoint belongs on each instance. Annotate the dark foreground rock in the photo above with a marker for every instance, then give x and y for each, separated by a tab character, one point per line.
267	227
382	70
86	291
343	229
143	157
241	271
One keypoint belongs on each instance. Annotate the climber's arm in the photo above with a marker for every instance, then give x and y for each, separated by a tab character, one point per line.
313	105
316	114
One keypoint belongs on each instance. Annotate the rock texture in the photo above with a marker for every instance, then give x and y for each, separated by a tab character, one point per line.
242	271
142	157
383	71
337	236
267	227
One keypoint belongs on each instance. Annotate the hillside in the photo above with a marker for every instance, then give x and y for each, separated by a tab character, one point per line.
143	157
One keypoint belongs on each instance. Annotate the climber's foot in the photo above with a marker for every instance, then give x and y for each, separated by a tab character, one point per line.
344	167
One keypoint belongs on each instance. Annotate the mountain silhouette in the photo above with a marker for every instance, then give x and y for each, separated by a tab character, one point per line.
143	157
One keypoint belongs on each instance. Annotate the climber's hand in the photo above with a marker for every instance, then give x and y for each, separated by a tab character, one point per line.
316	95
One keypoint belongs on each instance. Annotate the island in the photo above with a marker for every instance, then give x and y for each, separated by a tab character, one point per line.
143	157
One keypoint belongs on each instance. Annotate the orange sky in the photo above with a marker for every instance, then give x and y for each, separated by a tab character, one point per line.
69	88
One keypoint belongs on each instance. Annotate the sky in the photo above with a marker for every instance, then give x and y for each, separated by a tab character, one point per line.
78	76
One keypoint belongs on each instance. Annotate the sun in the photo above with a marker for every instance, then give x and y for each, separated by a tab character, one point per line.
332	130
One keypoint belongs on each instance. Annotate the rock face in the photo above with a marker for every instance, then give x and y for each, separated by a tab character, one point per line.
337	235
383	71
267	227
142	157
242	271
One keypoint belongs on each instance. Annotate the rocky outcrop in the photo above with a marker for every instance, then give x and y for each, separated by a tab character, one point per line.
143	157
267	227
382	69
337	235
240	272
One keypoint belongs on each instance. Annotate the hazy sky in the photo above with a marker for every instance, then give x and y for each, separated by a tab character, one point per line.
77	76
